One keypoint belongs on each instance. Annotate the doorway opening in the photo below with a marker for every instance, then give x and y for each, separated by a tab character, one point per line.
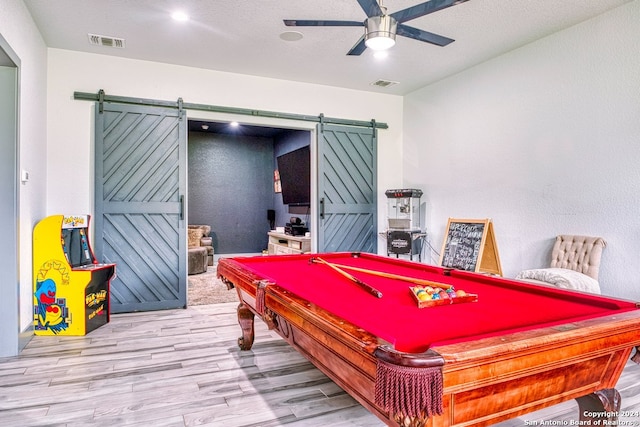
234	183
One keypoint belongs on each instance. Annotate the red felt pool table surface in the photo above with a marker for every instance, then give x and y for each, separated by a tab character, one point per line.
503	306
520	347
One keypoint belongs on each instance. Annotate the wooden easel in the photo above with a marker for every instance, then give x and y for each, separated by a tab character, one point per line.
470	244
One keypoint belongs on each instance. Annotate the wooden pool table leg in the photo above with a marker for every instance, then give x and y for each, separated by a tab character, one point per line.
601	405
245	319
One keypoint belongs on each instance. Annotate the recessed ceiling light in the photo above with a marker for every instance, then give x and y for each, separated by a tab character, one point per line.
291	36
205	127
180	16
234	124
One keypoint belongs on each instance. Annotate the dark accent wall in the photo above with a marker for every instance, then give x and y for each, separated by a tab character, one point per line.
231	189
285	143
231	185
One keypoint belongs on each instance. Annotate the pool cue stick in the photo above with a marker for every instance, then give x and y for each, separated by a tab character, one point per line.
370	289
413	280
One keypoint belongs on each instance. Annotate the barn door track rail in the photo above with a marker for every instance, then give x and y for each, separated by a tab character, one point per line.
101	97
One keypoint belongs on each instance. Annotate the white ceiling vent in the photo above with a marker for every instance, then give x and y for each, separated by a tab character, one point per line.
107	41
383	83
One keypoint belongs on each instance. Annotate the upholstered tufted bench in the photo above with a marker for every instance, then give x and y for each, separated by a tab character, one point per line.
575	264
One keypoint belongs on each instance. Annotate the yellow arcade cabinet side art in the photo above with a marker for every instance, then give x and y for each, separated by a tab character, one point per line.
71	289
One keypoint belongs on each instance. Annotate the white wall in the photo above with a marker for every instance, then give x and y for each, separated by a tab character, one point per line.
19	31
544	140
70	131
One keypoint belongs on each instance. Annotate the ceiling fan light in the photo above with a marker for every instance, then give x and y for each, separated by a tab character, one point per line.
380	43
380	32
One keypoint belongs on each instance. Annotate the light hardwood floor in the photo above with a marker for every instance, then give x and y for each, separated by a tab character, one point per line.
184	368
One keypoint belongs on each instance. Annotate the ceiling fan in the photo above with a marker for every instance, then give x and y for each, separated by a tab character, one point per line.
381	29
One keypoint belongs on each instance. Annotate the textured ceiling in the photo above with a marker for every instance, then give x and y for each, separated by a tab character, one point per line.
242	36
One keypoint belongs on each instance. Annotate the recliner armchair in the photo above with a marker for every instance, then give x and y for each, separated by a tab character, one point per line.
199	248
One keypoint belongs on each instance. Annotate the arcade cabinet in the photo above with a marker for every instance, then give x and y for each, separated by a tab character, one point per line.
71	289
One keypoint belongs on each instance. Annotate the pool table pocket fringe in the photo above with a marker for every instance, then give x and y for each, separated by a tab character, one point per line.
408	391
261	288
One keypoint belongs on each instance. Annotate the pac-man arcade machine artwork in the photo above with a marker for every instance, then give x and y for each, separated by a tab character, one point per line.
71	289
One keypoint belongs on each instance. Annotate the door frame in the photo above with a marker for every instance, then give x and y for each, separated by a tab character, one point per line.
12	338
279	124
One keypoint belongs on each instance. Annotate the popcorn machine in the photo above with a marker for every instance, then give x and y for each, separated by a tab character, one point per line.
404	233
403	209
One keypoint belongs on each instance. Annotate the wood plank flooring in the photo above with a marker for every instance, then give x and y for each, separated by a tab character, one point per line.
184	368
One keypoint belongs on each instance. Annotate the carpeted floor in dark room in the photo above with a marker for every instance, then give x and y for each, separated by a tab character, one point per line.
206	288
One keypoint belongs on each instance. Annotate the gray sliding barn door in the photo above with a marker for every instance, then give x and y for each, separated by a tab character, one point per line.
140	185
347	175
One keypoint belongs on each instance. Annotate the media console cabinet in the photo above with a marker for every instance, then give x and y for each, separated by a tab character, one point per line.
281	243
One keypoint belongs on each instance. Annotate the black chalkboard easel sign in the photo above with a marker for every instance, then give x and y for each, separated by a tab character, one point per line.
470	244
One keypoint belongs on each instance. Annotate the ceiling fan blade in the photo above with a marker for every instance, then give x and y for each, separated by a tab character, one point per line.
423	36
316	23
370	7
358	48
422	9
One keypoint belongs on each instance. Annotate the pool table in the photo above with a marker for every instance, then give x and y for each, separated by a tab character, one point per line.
518	348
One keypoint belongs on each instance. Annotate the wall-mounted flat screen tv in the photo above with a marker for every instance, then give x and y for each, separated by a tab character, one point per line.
295	177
